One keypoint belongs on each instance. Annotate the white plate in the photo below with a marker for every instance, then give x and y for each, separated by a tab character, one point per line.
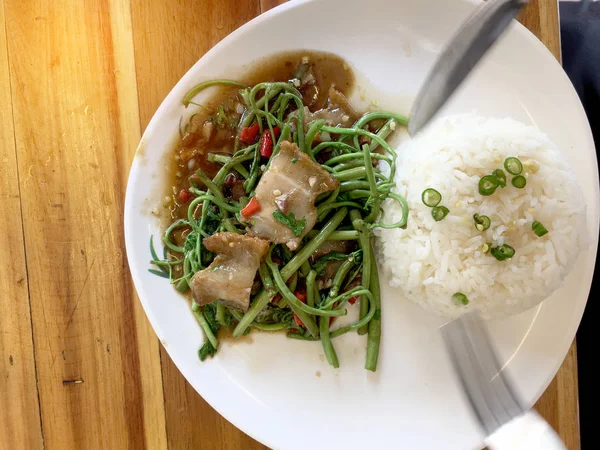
271	388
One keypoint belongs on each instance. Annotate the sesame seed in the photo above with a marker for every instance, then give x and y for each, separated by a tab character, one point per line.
393	125
305	60
231	244
230	276
276	192
312	181
263	168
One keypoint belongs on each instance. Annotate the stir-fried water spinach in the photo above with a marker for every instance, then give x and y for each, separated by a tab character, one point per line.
279	238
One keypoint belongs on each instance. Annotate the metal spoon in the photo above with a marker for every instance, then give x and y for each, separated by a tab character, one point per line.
472	40
503	416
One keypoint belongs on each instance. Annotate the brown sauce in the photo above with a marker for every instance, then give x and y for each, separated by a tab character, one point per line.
212	129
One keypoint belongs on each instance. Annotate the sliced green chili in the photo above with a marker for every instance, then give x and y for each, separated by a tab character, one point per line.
519	181
513	165
488	185
503	252
460	299
501	176
482	223
539	229
439	213
431	197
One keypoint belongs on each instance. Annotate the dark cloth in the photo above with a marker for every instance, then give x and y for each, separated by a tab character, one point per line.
580	35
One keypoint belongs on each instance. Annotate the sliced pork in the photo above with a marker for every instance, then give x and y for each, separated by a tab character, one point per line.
230	277
285	197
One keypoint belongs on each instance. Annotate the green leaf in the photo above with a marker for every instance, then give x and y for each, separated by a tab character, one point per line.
210	313
206	350
297	226
159	273
319	266
271	315
190	241
221	116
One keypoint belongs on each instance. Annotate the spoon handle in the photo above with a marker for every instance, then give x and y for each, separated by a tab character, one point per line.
472	40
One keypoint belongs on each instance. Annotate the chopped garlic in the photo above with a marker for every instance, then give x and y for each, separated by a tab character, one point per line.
325	137
393	125
530	165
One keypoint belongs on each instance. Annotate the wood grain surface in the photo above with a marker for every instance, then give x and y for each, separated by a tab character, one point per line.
80	366
19	407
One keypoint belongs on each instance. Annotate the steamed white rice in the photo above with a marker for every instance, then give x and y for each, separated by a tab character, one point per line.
430	261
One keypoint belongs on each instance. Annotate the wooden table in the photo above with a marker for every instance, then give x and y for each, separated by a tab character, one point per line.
80	366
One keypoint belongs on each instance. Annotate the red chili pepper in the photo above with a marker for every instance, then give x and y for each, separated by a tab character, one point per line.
230	180
331	319
356	282
300	295
251	208
184	195
248	135
266	145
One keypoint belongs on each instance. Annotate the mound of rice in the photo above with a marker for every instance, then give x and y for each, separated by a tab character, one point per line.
430	261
